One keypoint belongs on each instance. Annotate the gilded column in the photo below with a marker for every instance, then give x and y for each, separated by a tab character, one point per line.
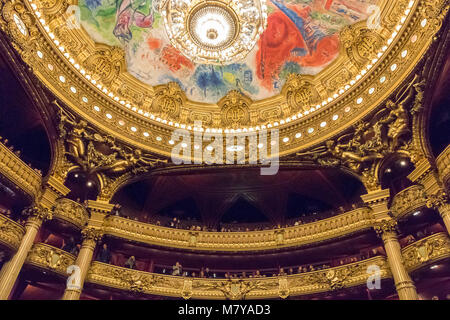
90	238
406	289
440	202
11	269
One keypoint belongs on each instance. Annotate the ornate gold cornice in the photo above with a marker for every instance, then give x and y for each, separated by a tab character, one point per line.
40	51
11	233
338	226
426	251
250	288
408	201
70	211
49	258
19	173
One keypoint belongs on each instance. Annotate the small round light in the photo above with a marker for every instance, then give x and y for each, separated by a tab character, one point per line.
73	89
40	54
121	122
285	139
323	124
359	100
382	79
347	109
335	117
310	130
414	38
404	53
394	67
146	134
423	23
62	79
298	135
84	99
109	116
158	139
133	129
96	108
371	90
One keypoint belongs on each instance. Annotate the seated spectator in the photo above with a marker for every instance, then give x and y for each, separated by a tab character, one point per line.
193	275
177	269
311	268
75	250
257	274
291	271
104	254
207	273
299	269
131	263
69	245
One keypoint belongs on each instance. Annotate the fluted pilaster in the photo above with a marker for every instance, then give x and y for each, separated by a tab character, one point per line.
90	238
11	269
406	289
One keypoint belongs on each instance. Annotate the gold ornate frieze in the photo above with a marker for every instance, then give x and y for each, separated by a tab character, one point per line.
236	289
71	211
19	173
340	225
11	233
47	257
408	200
443	166
426	251
64	59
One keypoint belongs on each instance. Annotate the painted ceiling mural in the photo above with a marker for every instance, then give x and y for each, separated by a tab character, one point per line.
302	36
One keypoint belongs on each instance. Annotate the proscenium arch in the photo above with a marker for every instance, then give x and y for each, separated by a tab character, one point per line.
110	190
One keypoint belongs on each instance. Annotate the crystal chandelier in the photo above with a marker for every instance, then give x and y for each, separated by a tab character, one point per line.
214	31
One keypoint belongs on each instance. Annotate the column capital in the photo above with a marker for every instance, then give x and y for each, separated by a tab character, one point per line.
90	233
386	229
36	215
438	199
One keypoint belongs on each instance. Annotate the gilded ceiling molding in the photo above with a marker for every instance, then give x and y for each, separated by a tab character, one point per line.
383	135
426	251
89	151
140	282
335	227
54	67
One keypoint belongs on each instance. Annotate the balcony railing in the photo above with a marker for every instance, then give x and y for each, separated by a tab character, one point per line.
330	228
11	233
19	173
235	289
408	201
71	211
426	251
443	165
49	258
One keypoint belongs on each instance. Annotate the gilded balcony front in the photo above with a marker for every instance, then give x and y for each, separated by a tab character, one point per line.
11	233
426	251
408	201
337	226
19	173
236	289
